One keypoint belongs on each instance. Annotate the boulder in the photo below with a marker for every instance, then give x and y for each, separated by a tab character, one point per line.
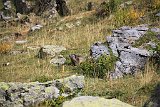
73	82
98	49
50	8
90	101
131	59
50	50
45	8
59	60
36	27
28	94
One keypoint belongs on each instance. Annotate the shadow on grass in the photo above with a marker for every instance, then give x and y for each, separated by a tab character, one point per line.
154	100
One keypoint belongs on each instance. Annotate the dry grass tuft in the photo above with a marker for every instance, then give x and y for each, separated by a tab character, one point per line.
5	47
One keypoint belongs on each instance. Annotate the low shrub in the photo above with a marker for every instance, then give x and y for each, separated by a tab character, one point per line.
55	102
98	68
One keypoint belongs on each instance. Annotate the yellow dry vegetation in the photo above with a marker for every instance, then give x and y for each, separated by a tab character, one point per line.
156	4
5	47
134	14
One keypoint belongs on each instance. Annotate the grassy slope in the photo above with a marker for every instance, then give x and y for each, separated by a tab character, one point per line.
25	68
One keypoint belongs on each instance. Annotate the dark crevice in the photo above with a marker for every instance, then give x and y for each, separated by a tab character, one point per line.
62	8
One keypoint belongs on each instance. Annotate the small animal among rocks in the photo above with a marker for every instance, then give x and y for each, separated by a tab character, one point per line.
76	59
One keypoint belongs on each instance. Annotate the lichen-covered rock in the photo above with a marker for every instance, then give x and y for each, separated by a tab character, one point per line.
27	94
59	60
131	59
50	50
73	82
90	101
98	49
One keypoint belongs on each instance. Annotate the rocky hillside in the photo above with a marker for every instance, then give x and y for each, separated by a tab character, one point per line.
67	53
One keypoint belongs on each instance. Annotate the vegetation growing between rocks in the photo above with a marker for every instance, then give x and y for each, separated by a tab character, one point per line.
152	38
98	68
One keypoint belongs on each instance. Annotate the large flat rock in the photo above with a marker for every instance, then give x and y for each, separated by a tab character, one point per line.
90	101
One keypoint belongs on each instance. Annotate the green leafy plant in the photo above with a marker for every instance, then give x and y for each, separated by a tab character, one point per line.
98	68
55	102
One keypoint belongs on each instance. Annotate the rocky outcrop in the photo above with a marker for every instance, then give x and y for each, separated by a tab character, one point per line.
130	59
90	101
22	6
27	94
7	12
45	8
98	49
